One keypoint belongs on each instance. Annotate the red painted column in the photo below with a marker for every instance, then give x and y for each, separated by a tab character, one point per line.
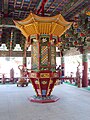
25	56
84	71
43	9
11	43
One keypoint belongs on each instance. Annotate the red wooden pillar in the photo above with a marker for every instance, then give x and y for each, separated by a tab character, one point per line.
11	43
24	55
84	71
43	9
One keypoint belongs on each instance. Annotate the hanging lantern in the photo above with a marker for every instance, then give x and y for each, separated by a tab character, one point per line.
88	26
75	25
59	39
71	44
76	35
82	34
79	39
75	42
68	44
67	35
76	17
70	39
88	39
78	30
85	44
88	32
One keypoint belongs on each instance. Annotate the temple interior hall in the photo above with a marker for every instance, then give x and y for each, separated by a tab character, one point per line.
44	59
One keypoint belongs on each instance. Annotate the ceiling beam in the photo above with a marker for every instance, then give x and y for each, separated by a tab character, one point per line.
19	54
22	4
41	7
15	3
29	4
77	4
13	26
50	5
56	7
5	7
76	11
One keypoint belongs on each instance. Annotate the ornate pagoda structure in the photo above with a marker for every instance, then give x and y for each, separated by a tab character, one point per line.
43	34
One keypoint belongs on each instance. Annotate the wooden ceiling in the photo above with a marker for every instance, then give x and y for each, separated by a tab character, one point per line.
19	9
71	10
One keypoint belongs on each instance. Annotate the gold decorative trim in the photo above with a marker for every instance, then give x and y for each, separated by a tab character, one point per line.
44	82
56	75
36	82
33	75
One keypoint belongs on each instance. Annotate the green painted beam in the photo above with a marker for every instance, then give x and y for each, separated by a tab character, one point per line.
18	54
13	26
74	6
5	7
7	22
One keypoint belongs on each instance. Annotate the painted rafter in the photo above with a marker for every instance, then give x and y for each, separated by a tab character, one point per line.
50	5
75	11
41	6
15	3
22	4
78	3
5	7
56	7
29	4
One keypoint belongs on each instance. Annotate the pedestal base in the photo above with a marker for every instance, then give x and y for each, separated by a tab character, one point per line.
48	99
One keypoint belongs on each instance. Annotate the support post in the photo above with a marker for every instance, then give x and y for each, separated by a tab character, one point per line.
25	56
84	71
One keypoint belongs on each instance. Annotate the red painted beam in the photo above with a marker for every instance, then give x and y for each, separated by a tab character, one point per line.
41	8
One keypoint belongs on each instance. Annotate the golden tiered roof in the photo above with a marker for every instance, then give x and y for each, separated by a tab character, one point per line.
34	24
88	13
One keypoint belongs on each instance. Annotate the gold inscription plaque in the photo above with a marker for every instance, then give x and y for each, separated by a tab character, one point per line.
44	75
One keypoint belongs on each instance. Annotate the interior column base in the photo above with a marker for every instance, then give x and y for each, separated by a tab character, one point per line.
39	99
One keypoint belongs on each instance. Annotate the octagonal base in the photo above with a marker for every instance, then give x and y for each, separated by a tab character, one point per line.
39	99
